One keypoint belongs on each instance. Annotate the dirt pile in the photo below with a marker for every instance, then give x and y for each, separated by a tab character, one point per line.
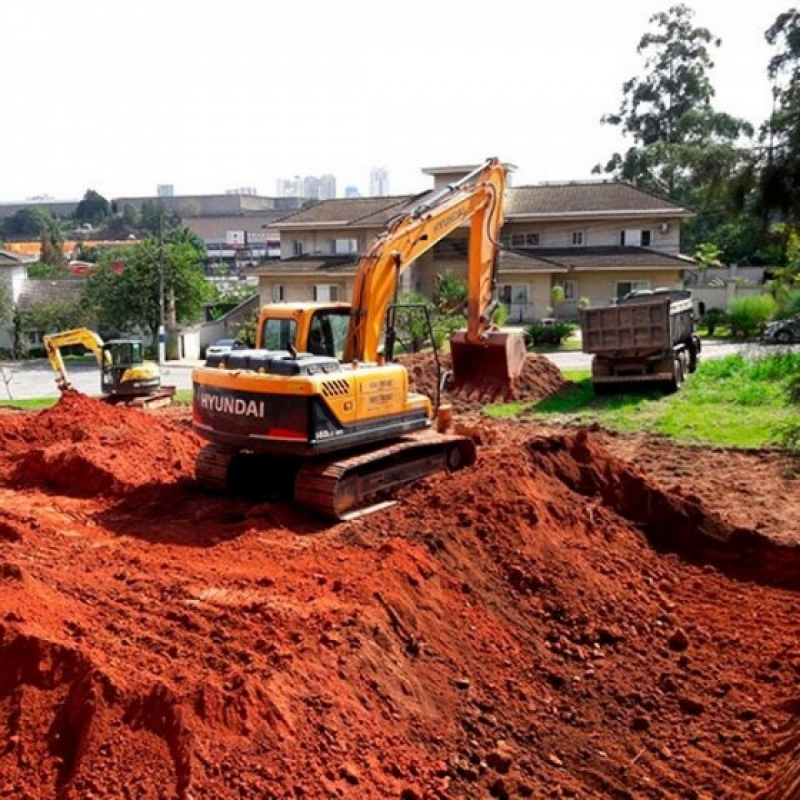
539	379
529	627
84	447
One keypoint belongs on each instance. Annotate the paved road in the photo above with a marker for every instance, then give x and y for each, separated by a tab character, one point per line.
30	379
23	380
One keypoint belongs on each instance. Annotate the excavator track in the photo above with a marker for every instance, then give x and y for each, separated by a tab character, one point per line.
212	466
333	488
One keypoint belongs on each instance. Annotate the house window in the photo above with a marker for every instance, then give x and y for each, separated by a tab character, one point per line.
297	247
343	246
514	294
524	240
325	293
278	293
570	291
578	239
635	238
626	287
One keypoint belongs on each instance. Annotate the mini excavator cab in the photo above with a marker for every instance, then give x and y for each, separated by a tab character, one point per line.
123	368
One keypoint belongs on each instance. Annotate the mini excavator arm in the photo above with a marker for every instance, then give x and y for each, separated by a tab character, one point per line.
54	342
477	198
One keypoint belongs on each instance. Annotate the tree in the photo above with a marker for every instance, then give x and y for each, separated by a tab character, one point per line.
6	302
26	223
780	174
129	298
52	253
93	209
57	315
682	147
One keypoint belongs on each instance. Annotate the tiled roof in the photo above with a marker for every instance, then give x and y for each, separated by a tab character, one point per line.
518	261
609	198
42	290
582	258
9	259
349	211
545	201
301	265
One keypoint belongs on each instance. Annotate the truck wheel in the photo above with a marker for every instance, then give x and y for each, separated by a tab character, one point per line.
677	374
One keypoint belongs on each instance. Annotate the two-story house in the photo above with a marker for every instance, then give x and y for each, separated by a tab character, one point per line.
595	240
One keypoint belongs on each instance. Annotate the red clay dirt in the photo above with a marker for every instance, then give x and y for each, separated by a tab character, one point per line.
554	622
539	379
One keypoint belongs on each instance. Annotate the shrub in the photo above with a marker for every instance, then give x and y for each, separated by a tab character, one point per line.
748	315
538	334
713	318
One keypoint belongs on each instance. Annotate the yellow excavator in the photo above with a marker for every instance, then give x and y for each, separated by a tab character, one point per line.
319	402
125	377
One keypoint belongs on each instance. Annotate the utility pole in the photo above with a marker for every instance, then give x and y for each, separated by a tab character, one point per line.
162	334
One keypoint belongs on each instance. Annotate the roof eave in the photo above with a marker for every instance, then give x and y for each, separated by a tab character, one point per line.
617	214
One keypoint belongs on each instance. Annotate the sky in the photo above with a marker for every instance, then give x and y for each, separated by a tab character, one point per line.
205	95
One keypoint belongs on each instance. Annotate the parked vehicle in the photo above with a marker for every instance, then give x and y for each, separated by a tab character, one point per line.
224	346
645	338
783	331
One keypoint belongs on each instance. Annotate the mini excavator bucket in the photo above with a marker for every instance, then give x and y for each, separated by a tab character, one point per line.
487	369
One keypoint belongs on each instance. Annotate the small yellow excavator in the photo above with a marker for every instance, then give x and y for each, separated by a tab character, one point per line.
125	377
319	402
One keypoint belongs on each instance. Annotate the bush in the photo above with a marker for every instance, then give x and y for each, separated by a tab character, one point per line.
788	304
539	334
749	315
713	318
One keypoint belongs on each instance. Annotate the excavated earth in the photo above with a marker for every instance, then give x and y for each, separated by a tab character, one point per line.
578	615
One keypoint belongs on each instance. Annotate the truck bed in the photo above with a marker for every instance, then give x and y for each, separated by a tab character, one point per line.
647	325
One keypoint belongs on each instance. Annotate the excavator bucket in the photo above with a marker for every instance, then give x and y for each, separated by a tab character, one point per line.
487	370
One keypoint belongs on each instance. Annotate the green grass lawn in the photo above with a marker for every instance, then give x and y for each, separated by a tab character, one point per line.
182	397
729	402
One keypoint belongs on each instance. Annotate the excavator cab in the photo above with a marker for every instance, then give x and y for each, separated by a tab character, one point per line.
124	371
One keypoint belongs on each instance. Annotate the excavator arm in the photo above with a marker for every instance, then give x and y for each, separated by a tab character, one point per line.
479	351
54	342
477	198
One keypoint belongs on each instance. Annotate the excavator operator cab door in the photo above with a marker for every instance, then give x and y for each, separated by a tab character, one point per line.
119	356
328	332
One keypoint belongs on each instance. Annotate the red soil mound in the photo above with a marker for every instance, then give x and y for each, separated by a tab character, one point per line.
85	447
539	379
551	622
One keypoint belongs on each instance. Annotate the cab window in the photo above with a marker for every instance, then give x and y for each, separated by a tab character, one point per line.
328	333
278	334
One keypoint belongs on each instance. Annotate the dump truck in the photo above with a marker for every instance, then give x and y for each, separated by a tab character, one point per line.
645	338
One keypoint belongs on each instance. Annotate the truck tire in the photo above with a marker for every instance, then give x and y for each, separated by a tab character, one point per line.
677	374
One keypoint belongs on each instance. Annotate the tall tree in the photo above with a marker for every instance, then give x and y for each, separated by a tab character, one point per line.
130	298
780	176
93	209
682	147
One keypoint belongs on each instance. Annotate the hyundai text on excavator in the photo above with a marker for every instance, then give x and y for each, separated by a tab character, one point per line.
125	377
318	401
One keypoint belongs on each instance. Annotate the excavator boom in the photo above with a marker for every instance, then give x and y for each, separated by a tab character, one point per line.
483	357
